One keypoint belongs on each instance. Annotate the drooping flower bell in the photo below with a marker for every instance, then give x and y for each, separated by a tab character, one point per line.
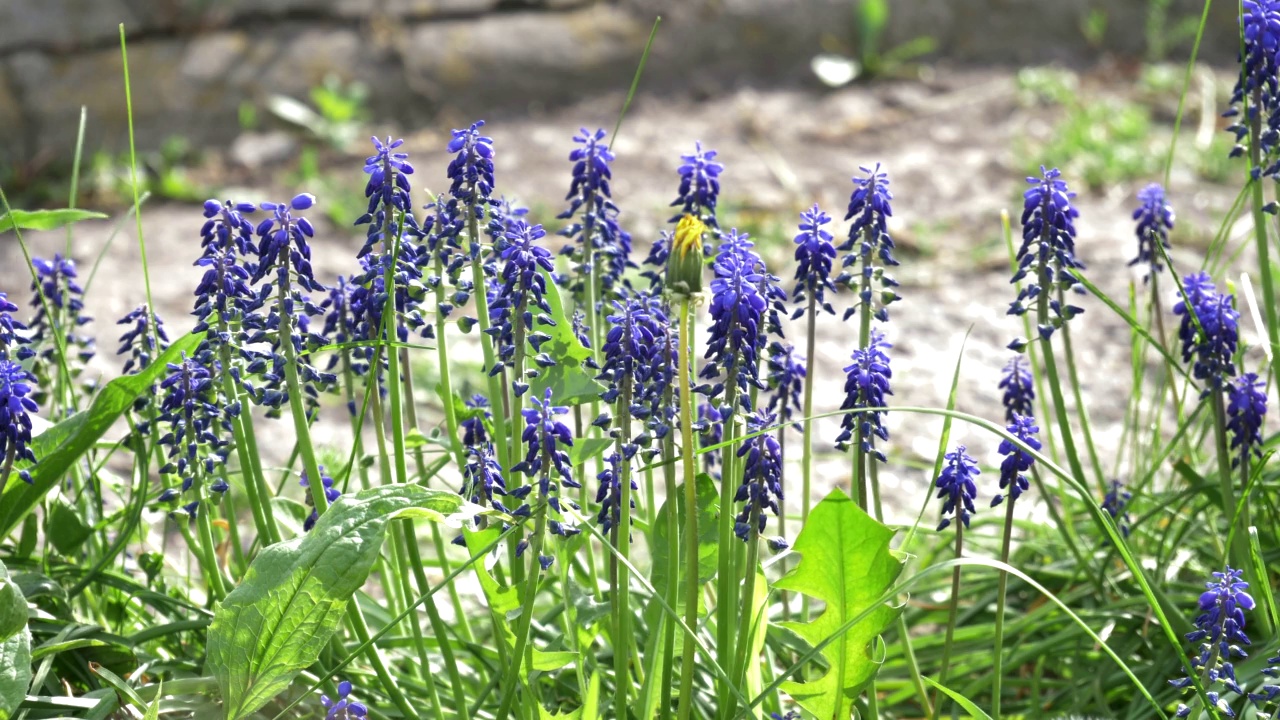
869	248
140	342
1047	256
1155	220
1258	87
16	407
956	487
786	381
1017	462
866	385
761	488
474	431
14	342
1246	411
1212	335
1219	633
1019	388
815	254
344	708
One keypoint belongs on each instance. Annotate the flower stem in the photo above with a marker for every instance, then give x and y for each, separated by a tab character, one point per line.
860	457
727	576
515	674
497	394
673	551
687	663
952	612
301	424
1001	597
622	540
1260	235
806	458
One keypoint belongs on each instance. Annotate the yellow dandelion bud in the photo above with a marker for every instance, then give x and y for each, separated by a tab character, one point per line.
684	264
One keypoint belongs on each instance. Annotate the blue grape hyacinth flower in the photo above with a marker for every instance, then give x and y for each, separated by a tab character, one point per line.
1258	86
343	708
471	169
815	254
388	192
761	488
197	423
786	381
740	309
13	340
956	486
593	218
16	407
1017	462
869	248
1047	255
483	482
474	432
57	290
866	385
609	496
1209	330
633	355
1246	411
1220	636
547	441
699	185
139	341
1155	220
1116	503
1019	388
521	297
331	494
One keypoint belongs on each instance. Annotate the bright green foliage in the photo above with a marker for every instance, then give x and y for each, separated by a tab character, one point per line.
846	563
60	446
45	219
570	383
289	604
15	645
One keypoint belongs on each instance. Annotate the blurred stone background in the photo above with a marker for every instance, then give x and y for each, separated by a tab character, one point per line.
195	63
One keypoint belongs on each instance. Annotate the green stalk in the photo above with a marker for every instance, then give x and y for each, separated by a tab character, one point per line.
673	552
355	618
301	425
496	393
1239	550
913	666
1051	374
860	457
727	575
438	627
1001	597
399	543
1082	411
259	497
952	612
748	629
806	458
622	541
1260	238
584	500
687	663
517	662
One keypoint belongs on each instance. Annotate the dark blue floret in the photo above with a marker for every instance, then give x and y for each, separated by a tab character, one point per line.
869	242
331	495
633	355
609	496
956	486
344	708
1212	335
866	385
699	185
1155	220
786	381
1047	256
594	218
388	192
520	297
474	426
471	169
546	441
815	254
1116	503
1258	87
197	424
15	418
1246	411
482	482
13	341
1017	462
761	488
57	291
139	341
1219	633
1019	388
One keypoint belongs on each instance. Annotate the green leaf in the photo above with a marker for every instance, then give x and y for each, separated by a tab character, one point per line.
571	383
15	650
974	711
59	447
587	448
846	563
13	606
65	527
295	593
45	219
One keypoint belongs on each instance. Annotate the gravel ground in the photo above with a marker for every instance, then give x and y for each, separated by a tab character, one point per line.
948	145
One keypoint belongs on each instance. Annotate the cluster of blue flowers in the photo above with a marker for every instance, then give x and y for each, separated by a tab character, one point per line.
633	353
1209	330
699	190
956	486
546	460
1116	504
521	292
198	424
16	407
593	217
1017	461
1221	638
761	488
14	342
1258	87
1047	255
815	254
786	381
331	495
58	301
1246	409
869	240
866	385
1155	220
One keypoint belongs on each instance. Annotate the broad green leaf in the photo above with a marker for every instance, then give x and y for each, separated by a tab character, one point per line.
15	649
969	706
571	383
846	563
65	527
13	606
295	593
59	447
587	448
45	219
759	626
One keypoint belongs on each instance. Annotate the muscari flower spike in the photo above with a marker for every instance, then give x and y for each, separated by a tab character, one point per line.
474	431
1258	87
1220	635
699	186
869	240
344	708
482	480
56	287
742	310
226	308
388	192
761	487
1246	410
710	427
956	486
331	494
521	299
197	425
609	496
16	407
1116	503
632	351
13	340
1155	220
547	440
866	385
1019	389
594	218
1211	336
1017	462
815	254
1047	256
786	380
141	344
